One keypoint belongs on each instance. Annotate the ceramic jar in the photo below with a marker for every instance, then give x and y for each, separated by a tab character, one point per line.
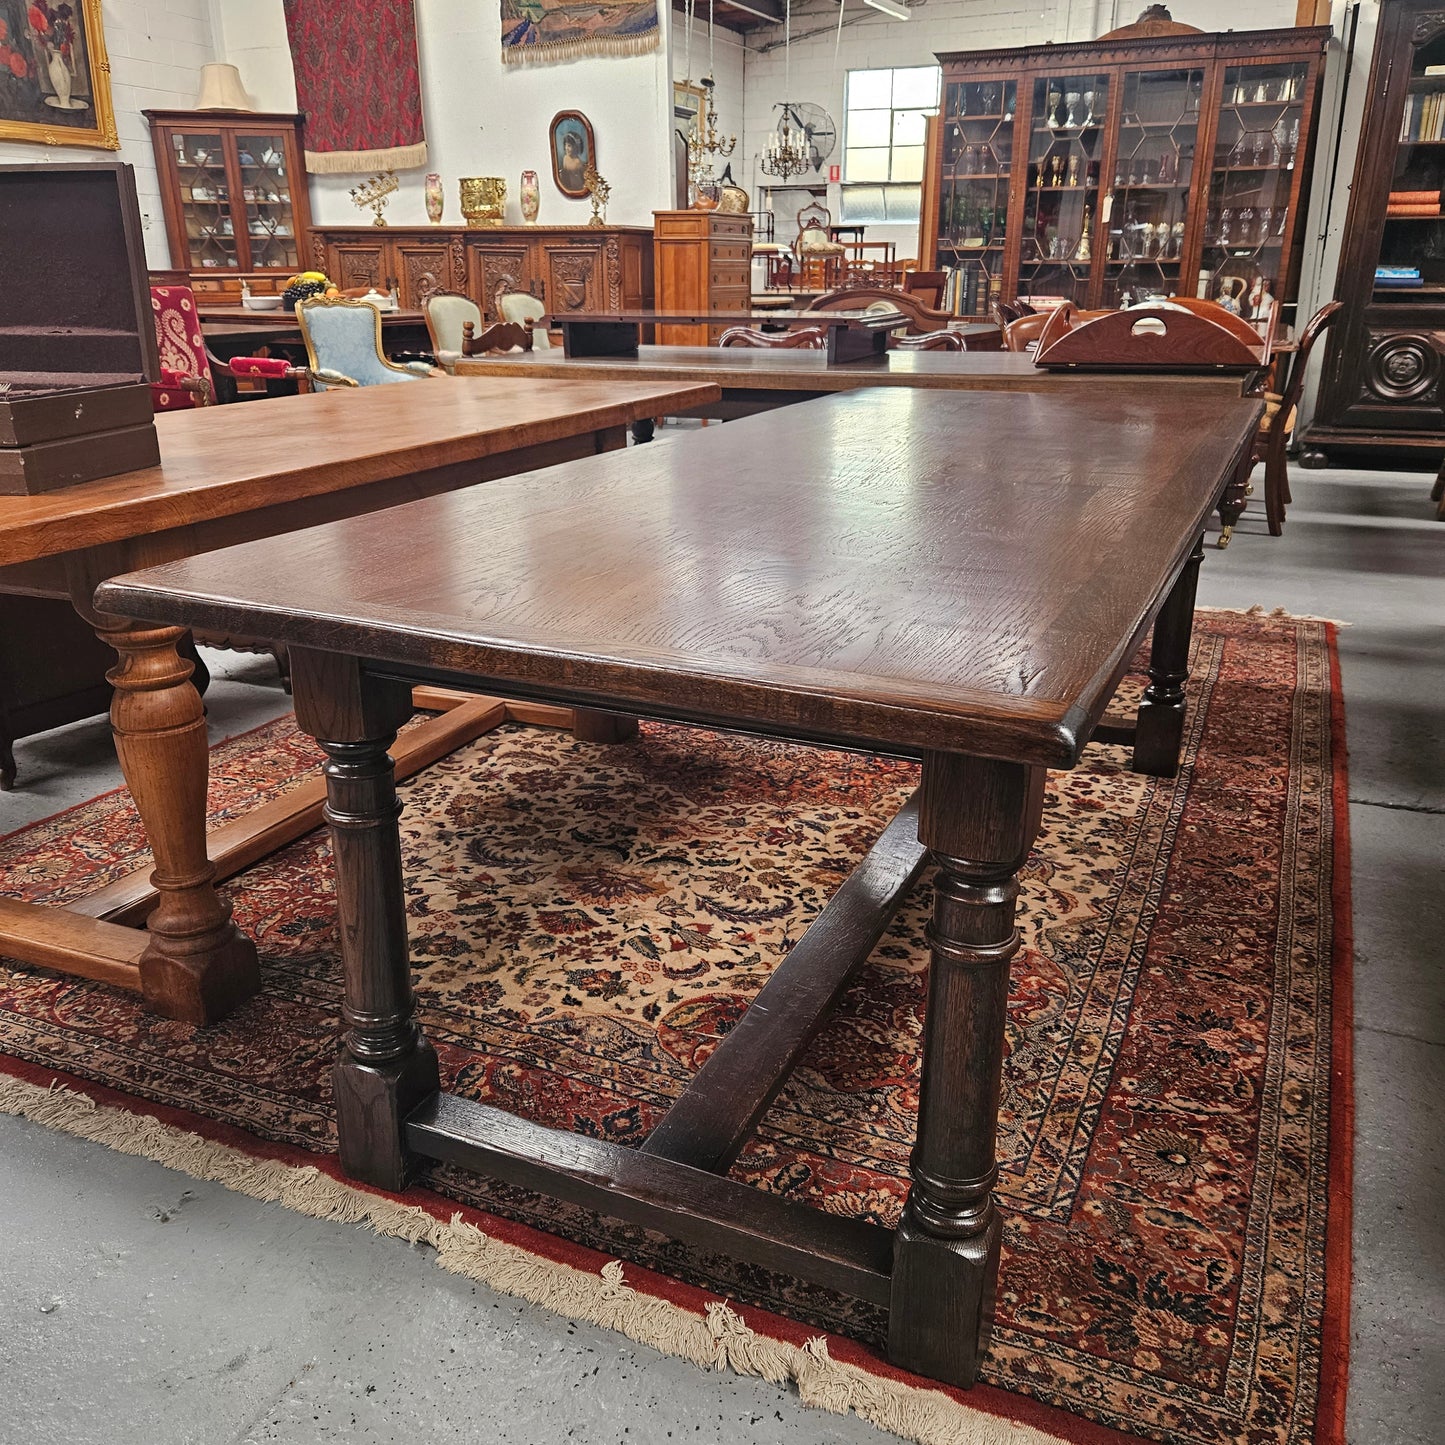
434	198
531	197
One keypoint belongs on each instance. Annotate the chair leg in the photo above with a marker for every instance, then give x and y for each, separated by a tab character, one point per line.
1437	492
1276	486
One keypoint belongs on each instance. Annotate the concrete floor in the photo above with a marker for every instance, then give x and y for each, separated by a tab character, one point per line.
137	1304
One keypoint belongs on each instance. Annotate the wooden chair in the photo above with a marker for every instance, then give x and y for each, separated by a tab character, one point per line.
921	317
820	257
927	286
188	368
446	314
1279	419
805	338
1022	333
498	337
522	308
930	341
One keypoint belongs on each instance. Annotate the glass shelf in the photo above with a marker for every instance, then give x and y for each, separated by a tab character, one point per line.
978	142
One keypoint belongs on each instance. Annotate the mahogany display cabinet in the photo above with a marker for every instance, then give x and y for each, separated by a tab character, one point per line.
1158	160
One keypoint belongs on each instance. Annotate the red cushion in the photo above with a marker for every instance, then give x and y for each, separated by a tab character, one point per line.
172	398
269	366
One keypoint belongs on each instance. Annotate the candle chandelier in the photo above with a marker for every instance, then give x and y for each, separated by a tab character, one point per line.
707	140
787	152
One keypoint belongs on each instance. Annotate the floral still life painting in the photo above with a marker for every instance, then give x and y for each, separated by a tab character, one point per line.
54	75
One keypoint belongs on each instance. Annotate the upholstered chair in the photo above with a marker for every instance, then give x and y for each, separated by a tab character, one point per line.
343	342
188	370
447	312
524	310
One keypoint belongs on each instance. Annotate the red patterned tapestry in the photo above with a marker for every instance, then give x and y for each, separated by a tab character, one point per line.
587	921
358	83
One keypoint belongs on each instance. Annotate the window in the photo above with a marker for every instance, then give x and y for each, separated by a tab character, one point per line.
883	125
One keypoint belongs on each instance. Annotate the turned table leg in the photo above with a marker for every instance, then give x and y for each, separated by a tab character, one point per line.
196	965
1159	738
384	1067
978	817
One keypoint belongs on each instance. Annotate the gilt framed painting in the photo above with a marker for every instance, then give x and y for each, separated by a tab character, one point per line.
573	149
54	74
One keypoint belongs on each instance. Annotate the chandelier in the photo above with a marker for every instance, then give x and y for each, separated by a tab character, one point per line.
787	152
706	139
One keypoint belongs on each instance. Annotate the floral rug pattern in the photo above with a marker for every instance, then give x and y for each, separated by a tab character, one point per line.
588	921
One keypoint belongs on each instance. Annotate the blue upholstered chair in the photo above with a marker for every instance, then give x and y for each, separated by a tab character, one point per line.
343	341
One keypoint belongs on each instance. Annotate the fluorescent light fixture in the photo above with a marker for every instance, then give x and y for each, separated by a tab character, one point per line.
895	8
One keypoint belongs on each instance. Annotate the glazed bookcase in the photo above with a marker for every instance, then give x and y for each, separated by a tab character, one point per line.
234	187
1382	390
1126	168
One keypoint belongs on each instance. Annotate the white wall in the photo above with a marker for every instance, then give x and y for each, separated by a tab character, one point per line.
157	48
876	42
484	118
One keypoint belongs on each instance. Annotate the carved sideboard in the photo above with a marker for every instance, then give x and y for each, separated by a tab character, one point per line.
567	268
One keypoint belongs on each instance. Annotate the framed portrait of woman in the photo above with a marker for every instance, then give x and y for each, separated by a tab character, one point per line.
573	150
54	75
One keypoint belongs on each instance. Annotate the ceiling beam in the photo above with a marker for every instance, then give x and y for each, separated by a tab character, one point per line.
738	15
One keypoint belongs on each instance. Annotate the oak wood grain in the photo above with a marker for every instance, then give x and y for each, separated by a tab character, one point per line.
888	567
225	460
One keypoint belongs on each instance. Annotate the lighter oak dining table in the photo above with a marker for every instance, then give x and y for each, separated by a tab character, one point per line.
228	474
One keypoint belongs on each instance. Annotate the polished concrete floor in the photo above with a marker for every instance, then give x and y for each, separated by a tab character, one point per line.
137	1304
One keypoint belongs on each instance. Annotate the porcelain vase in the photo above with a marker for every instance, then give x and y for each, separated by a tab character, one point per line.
531	197
434	198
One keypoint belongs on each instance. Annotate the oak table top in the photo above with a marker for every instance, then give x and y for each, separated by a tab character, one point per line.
224	460
885	567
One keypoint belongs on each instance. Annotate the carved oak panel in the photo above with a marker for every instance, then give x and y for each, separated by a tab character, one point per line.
575	277
423	269
497	266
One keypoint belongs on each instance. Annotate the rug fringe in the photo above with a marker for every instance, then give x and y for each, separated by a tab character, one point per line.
1279	613
720	1339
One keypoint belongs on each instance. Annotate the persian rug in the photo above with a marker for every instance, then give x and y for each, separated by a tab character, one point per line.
358	83
546	30
587	922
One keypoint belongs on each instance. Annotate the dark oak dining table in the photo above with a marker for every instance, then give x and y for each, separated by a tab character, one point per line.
963	579
229	473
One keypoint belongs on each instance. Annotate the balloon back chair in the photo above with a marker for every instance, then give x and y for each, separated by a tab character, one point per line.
447	314
522	309
343	342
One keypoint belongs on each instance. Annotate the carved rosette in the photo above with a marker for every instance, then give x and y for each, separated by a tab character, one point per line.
1402	367
1428	24
614	274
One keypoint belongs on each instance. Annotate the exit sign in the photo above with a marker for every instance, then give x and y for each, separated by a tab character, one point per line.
835	173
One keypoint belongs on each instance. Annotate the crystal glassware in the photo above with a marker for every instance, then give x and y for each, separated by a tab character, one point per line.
1053	112
1071	113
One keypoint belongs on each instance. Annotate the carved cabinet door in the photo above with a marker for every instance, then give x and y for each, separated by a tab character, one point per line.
422	267
575	275
358	263
494	266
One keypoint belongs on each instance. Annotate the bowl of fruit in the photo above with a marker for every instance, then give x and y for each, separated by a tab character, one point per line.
300	288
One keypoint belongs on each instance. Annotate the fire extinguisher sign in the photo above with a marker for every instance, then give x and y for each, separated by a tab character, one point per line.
835	173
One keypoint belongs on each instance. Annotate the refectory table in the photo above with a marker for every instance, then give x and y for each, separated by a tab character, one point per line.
964	579
227	474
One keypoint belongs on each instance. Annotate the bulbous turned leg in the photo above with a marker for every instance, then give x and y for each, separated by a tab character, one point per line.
979	817
196	965
1159	736
1232	502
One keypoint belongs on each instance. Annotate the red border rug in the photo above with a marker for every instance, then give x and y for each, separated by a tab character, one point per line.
588	921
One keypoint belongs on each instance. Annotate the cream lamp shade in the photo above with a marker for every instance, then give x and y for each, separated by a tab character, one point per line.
221	89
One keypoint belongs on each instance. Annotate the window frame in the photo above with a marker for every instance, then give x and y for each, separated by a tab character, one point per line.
893	111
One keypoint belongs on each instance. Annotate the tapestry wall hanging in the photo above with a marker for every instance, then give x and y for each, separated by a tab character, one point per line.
543	30
54	77
358	83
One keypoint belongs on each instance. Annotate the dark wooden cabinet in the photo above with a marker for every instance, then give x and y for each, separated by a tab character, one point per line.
1382	389
1139	165
703	262
568	268
234	188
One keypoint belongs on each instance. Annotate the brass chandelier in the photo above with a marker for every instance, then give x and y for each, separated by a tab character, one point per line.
787	152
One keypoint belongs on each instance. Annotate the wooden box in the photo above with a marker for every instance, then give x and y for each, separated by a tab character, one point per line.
77	339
